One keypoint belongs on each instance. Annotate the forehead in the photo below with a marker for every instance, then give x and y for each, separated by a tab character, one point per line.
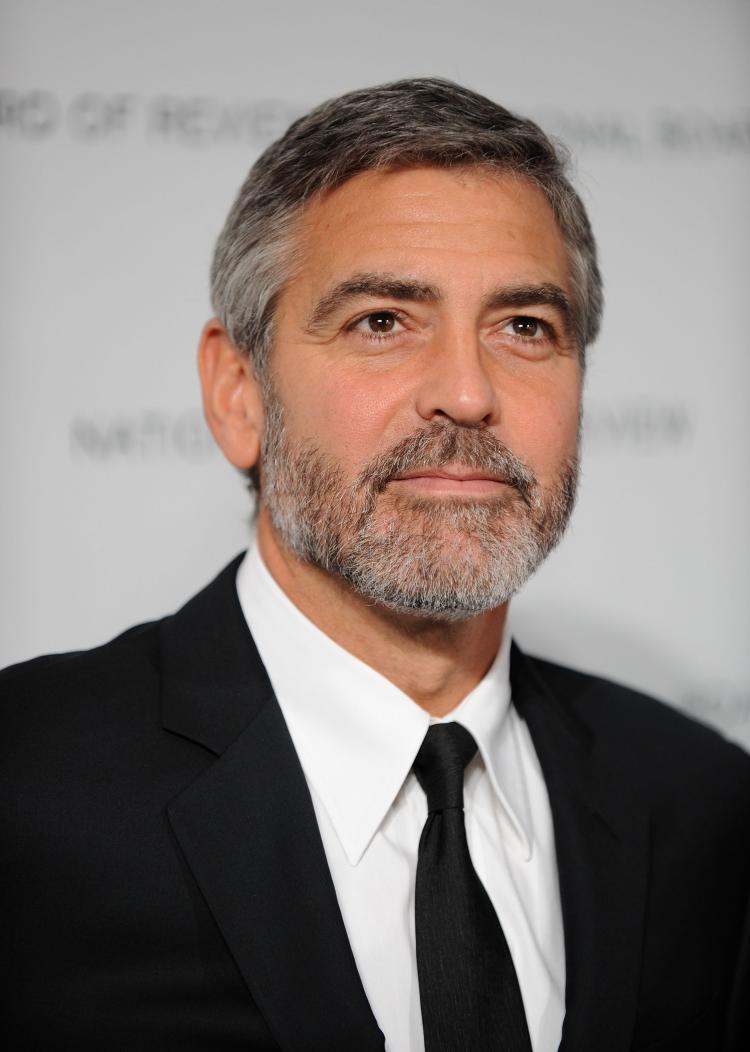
423	220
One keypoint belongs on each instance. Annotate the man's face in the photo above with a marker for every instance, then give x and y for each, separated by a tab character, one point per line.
422	399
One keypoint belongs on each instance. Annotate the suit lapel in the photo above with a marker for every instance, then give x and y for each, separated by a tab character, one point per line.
601	839
248	831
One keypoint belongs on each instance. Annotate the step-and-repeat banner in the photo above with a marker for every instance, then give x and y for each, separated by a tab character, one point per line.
125	131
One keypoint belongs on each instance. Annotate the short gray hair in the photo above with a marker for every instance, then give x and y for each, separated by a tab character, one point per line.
407	123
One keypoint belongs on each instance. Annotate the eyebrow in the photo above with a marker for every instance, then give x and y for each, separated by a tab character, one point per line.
406	289
388	286
529	296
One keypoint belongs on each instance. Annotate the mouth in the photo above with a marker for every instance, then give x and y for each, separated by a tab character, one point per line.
451	479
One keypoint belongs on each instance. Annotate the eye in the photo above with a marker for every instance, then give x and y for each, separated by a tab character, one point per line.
383	321
527	328
378	323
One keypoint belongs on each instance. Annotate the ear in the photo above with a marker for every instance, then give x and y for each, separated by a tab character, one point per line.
232	402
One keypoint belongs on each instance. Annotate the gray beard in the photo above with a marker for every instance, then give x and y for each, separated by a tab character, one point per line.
444	559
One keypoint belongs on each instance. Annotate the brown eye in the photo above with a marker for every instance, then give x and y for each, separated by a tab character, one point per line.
378	325
528	327
381	321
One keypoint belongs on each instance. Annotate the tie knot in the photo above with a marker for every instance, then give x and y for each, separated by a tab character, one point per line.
440	764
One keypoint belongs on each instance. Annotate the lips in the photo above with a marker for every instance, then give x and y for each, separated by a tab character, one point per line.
454	475
451	479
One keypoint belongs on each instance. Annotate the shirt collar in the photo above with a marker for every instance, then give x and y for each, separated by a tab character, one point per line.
357	734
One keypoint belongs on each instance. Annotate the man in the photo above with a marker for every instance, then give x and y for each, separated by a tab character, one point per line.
328	805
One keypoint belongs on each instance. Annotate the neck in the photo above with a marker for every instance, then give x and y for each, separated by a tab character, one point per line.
436	663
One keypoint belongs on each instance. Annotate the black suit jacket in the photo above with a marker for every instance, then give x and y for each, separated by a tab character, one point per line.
165	885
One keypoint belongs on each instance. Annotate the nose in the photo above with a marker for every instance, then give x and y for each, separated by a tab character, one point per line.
456	383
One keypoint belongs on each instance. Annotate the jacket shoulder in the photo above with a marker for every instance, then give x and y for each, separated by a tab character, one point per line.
650	742
125	666
612	708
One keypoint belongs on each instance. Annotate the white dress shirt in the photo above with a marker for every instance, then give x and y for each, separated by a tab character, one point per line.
357	735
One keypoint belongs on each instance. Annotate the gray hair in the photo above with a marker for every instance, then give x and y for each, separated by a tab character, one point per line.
407	123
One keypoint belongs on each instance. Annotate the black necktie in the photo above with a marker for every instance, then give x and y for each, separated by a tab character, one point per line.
468	989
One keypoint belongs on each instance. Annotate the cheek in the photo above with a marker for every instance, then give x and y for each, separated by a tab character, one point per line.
347	416
542	425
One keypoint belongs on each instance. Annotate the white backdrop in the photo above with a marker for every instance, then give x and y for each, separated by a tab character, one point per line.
125	130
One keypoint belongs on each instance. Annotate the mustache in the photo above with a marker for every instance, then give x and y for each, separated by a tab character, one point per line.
443	443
